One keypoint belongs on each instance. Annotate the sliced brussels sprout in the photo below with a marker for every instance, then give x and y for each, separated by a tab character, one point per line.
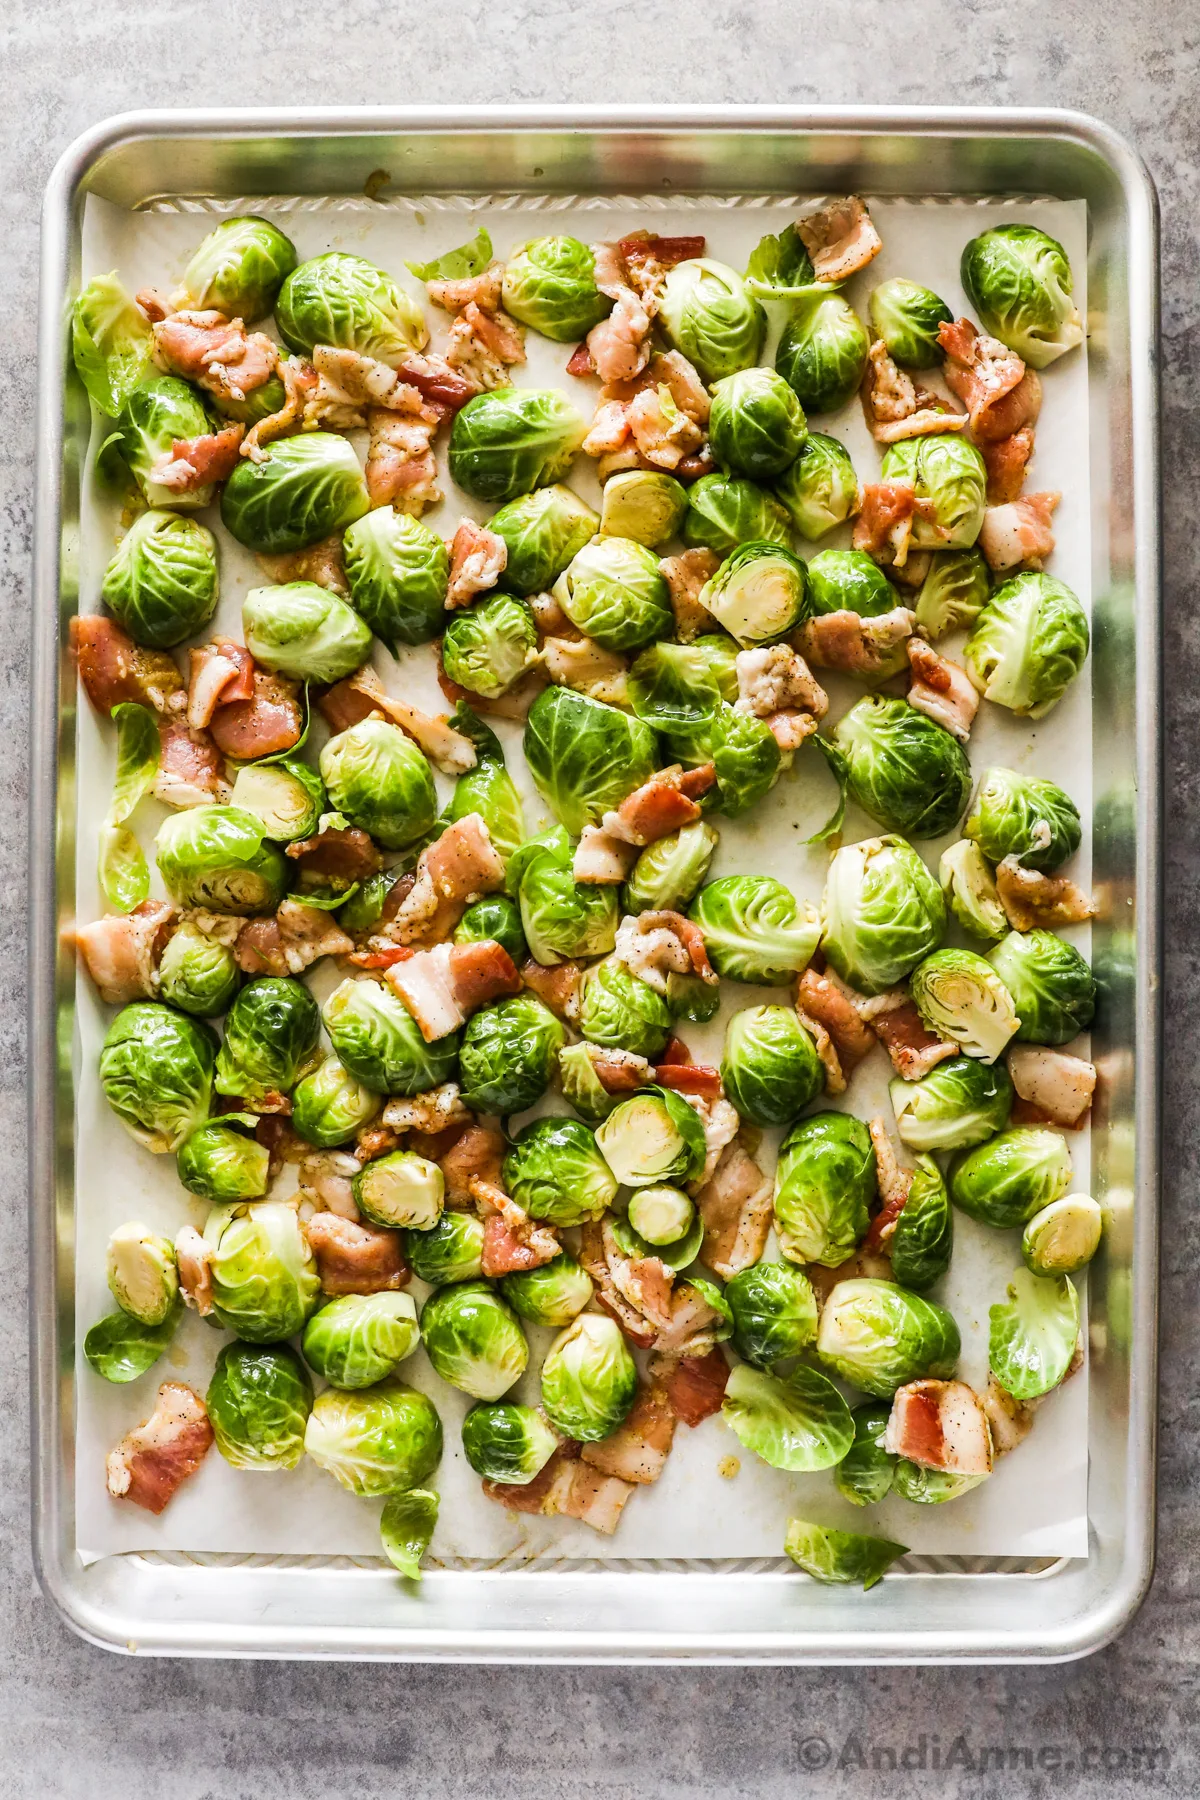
661	1215
840	1556
287	796
239	268
380	1440
272	1038
864	1475
581	1086
1028	644
555	1172
959	1104
948	474
196	973
822	354
156	1070
799	1422
451	1250
851	581
258	1404
550	285
614	591
377	1039
1063	1237
1021	816
757	426
495	919
304	631
667	875
902	768
755	929
970	891
1033	1334
159	410
879	1336
930	1487
953	593
820	489
621	1011
504	443
218	858
1014	1175
264	1276
724	511
382	783
770	1067
883	912
507	1443
162	583
644	505
1018	279
111	343
561	918
707	313
120	1348
489	790
330	1108
509	1054
473	1340
398	571
142	1277
406	1527
759	593
346	302
542	532
1053	989
923	1241
746	759
960	997
490	645
358	1339
223	1164
307	488
824	1185
906	316
652	1137
679	1255
584	756
774	1313
589	1379
401	1188
552	1295
121	864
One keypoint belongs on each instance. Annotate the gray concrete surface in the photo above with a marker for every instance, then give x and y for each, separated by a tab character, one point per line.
74	1721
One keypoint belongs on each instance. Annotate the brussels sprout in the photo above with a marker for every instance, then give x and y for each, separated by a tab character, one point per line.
380	1440
581	1086
112	345
970	891
400	1189
620	1010
509	1052
930	1487
906	316
1028	644
156	1070
691	997
542	532
878	1336
822	354
377	1039
774	1313
304	631
239	268
820	489
141	1272
959	1104
162	582
258	1404
495	919
121	864
755	929
398	571
673	688
824	1184
668	874
1005	1181
680	1254
507	1443
552	1295
644	505
555	1172
120	1348
864	1475
614	591
840	1556
272	1036
883	911
1018	815
382	783
363	908
661	1216
550	285
406	1527
306	489
489	790
850	581
1063	1237
770	1067
348	303
156	412
954	593
757	426
455	265
746	759
473	1340
359	1339
652	1137
1053	990
452	1250
589	1379
196	973
1018	280
584	757
329	1107
948	472
799	1422
759	593
287	796
221	1164
260	403
264	1276
779	267
561	919
923	1240
490	645
706	313
901	768
960	997
724	511
217	858
1033	1334
504	443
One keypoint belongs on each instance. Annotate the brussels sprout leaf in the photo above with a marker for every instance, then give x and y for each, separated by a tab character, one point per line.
121	1347
111	343
455	265
840	1556
470	725
124	875
832	827
406	1526
779	267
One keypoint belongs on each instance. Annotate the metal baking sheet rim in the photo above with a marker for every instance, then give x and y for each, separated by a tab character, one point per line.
139	1618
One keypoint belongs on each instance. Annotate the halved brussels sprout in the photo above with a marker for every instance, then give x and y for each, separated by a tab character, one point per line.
473	1340
504	443
864	1475
490	645
196	973
451	1251
562	919
162	582
358	1339
157	412
882	913
542	532
381	1440
264	1276
757	426
258	1404
552	1295
350	304
401	1188
304	631
239	268
960	997
120	1348
497	919
949	474
382	783
746	758
759	593
555	1172
774	1313
840	1556
222	1164
799	1422
906	316
489	790
589	1379
142	1277
272	1038
954	593
1028	644
901	768
707	313
507	1443
1033	1334
1018	279
111	343
1021	816
217	858
930	1487
398	571
643	504
156	1070
755	929
667	875
822	354
1053	990
652	1137
661	1216
584	756
406	1527
922	1243
824	1186
879	1336
970	891
550	285
850	581
959	1104
509	1054
306	489
376	1037
618	1009
769	1066
329	1107
724	511
287	796
1011	1177
1063	1237
820	489
614	591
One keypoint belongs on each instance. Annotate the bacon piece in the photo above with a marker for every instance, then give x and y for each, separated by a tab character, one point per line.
618	1071
537	1244
657	944
152	1461
218	673
685	576
431	1112
580	361
362	694
1000	394
581	663
401	468
840	239
637	1450
454	293
504	1253
820	1000
1058	1086
692	1324
273	721
940	1425
593	1256
195	463
694	1078
569	1487
854	645
440	987
291	942
356	1259
483	346
349	384
543	1494
191	771
327	1180
482	971
113	668
644	1281
322	563
436	382
883	527
1009	1421
152	305
477	560
121	952
479	1153
339	854
1018	535
557	987
893	1182
896	407
215	352
1005	460
894	1019
618	347
374	1141
458	867
193	1259
602	860
663	804
776	684
941	689
721	1125
675	1054
696	1386
1032	900
735	1206
282	1144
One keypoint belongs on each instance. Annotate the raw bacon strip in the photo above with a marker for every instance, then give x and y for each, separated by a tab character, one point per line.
1019	534
362	694
647	246
1005	460
894	1019
430	1113
218	674
1058	1087
941	689
940	1425
1000	394
696	1386
153	1460
459	867
193	1259
113	668
291	942
544	1493
694	1078
121	952
215	352
356	1259
437	383
195	462
478	558
272	721
818	997
855	645
478	1153
580	361
504	1253
894	1183
735	1206
401	468
840	239
442	986
896	407
685	576
637	1450
619	1071
342	854
1010	1421
1031	899
655	945
191	770
557	987
321	563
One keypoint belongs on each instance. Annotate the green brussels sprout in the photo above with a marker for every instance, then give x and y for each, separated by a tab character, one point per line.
272	1038
142	1277
1018	279
542	532
1028	644
878	1336
406	1527
358	1339
822	354
497	919
584	756
473	1340
970	891
162	583
452	1250
799	1422
673	688
1033	1334
306	489
948	472
902	768
621	1011
882	913
489	790
959	1104
746	759
707	313
953	593
304	631
774	1313
780	268
615	592
550	285
582	1087
507	1443
156	412
156	1070
111	343
400	1189
509	1054
329	1107
846	1557
667	875
589	1379
346	302
922	1243
644	505
552	1295
381	782
1053	990
264	1276
960	997
398	571
906	316
1014	1175
770	1067
196	973
239	268
260	403
680	1254
652	1137
120	1348
824	1185
755	929
508	441
258	1404
1018	815
661	1216
222	1164
691	997
864	1475
757	426
850	581
377	1039
555	1172
218	858
380	1440
820	489
759	593
490	645
930	1487
287	796
561	918
1063	1237
724	511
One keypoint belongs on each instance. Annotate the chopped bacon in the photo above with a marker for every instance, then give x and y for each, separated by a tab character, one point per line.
557	987
513	703
647	246
361	695
894	1183
482	971
401	468
637	1450
356	1259
291	942
152	305
840	239
820	999
478	558
377	1140
690	1330
437	383
883	527
194	463
894	1019
440	987
483	346
655	945
1032	900
536	1244
602	860
855	645
941	689
721	1123
663	432
121	952
1018	535
581	663
735	1206
1009	1421
153	1460
348	385
271	722
218	674
823	1044
695	1078
663	804
618	1071
568	1487
651	420
322	563
216	353
593	1256
1059	1087
505	1253
675	1054
940	1425
193	1259
776	684
685	576
1000	394
113	668
458	867
327	1180
300	384
191	770
455	293
580	361
618	348
543	1494
696	1386
1005	460
479	1153
431	1113
339	854
896	407
644	1281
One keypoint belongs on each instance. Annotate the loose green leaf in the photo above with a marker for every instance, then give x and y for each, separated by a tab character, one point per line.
780	268
832	828
456	265
121	1348
123	872
840	1556
111	343
406	1526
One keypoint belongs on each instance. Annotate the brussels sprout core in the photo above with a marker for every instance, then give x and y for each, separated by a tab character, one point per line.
759	593
1063	1237
141	1273
400	1189
661	1215
651	1138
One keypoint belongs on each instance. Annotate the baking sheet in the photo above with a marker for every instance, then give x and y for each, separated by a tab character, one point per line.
1035	1505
